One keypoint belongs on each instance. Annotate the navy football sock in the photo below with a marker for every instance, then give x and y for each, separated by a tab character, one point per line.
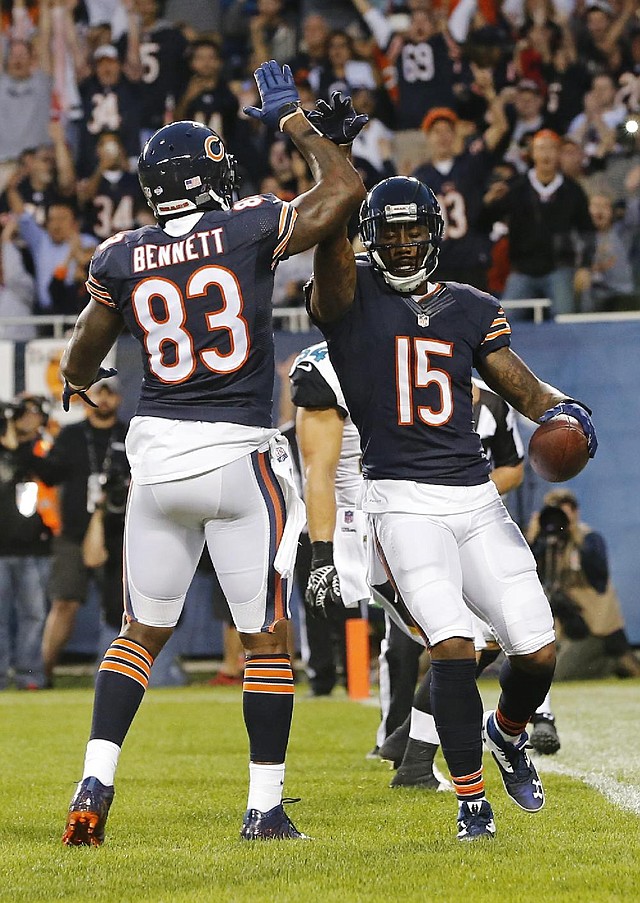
457	710
522	693
122	679
267	704
422	698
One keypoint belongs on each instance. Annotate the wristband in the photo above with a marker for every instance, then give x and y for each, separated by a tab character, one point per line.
286	112
321	554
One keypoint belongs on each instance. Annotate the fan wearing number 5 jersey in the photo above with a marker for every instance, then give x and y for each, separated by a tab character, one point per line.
404	350
207	464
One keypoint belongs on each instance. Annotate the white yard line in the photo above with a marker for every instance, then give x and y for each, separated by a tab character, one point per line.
624	796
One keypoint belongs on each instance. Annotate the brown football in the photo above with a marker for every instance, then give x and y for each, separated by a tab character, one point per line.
558	449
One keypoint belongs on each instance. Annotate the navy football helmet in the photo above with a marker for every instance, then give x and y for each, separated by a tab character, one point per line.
401	227
184	168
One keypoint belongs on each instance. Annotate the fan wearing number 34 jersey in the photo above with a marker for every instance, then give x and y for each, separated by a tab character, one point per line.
207	465
403	350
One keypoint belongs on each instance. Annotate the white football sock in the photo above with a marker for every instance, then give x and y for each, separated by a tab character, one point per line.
101	761
423	727
545	707
265	786
502	733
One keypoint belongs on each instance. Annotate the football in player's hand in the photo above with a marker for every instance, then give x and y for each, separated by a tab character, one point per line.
558	449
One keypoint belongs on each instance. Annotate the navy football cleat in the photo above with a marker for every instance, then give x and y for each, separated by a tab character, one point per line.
475	821
272	825
518	772
87	814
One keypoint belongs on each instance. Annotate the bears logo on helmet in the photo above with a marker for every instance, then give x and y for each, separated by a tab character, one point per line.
183	168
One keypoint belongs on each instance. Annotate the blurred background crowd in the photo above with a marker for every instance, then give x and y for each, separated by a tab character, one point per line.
522	115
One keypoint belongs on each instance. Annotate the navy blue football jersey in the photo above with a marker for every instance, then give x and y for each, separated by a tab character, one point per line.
200	306
112	108
404	366
426	76
217	109
112	207
164	70
460	194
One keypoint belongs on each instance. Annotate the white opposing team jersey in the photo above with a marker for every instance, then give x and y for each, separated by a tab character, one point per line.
313	366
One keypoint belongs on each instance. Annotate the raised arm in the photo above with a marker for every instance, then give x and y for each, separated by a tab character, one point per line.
338	191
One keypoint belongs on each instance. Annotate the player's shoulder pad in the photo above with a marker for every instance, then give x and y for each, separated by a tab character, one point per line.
312	367
469	294
115	248
254	201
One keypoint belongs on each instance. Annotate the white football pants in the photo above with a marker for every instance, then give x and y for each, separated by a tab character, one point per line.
239	509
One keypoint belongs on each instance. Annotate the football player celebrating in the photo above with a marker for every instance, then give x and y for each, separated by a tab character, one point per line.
206	464
404	349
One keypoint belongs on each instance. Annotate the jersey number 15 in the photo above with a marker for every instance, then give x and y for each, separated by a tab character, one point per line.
414	370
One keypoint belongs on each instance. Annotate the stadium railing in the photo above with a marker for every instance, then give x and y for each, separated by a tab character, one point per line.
293	319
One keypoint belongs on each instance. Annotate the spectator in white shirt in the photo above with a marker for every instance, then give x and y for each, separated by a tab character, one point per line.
17	292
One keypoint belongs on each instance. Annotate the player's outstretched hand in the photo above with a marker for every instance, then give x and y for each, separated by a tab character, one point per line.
323	588
581	413
278	94
69	391
337	120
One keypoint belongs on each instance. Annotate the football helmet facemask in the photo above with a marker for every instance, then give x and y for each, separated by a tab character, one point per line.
401	227
185	168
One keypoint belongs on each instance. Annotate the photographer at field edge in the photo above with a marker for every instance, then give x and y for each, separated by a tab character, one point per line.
27	527
574	570
89	462
83	459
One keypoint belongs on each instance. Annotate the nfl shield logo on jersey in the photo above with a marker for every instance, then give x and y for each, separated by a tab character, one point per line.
348	517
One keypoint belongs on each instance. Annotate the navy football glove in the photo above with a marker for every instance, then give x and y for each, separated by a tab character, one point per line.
278	94
581	412
323	588
68	391
337	120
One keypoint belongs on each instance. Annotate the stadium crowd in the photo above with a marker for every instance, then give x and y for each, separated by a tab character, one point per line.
517	113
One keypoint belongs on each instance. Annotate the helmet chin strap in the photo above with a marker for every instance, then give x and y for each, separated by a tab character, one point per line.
405	283
401	283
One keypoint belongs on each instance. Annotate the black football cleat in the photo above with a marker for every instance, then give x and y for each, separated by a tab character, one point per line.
272	825
544	736
87	814
393	748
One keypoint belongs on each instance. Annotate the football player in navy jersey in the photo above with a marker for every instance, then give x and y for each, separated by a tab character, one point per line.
206	462
404	349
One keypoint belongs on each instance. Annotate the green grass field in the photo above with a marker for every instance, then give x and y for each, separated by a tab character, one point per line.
181	791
